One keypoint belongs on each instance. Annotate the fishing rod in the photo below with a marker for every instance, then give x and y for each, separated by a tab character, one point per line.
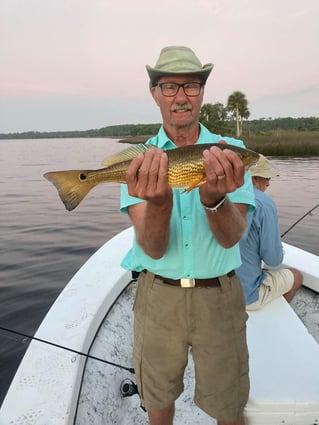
301	218
129	369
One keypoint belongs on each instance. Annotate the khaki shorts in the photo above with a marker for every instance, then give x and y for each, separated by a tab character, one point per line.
276	283
169	319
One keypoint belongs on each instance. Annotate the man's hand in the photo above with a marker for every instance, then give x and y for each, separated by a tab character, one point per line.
146	179
224	172
146	176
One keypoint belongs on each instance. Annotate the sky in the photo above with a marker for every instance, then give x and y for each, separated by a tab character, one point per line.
80	64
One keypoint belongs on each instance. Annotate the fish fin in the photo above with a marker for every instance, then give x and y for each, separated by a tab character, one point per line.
72	186
126	154
195	183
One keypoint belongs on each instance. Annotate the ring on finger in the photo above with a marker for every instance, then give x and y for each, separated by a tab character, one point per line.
221	177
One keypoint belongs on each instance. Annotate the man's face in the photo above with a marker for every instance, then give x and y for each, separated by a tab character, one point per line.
180	110
261	183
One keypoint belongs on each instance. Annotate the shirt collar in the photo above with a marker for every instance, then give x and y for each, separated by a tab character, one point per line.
165	143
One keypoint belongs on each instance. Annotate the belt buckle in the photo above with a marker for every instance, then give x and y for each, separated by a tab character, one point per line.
187	283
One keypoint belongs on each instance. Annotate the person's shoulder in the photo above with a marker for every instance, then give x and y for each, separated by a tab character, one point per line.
206	135
233	141
262	196
263	199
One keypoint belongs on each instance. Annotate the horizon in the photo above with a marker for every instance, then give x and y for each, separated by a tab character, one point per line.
152	123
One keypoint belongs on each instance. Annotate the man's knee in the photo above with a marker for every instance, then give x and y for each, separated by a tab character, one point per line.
298	278
162	417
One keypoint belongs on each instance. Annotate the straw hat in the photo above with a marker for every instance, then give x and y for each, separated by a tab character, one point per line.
263	168
178	60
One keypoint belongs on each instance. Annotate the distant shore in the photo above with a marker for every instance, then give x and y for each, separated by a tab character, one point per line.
280	143
285	143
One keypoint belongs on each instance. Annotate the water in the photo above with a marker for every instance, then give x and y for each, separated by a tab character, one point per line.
43	245
295	192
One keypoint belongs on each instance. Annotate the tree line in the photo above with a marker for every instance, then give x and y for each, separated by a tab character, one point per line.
229	120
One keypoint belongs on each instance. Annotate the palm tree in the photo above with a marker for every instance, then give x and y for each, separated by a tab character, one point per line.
213	116
237	105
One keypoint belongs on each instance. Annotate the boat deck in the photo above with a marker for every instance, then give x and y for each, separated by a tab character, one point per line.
114	342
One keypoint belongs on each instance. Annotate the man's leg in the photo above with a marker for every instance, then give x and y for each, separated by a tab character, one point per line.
298	279
279	282
163	416
220	352
159	334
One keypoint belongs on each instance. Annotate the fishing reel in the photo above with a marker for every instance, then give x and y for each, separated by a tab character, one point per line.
128	388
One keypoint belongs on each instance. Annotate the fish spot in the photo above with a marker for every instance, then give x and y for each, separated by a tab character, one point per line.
82	176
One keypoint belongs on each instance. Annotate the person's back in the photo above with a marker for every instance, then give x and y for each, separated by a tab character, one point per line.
261	246
261	242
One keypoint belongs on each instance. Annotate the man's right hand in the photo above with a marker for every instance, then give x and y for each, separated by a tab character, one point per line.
146	177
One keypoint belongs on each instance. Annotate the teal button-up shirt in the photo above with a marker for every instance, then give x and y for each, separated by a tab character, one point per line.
192	251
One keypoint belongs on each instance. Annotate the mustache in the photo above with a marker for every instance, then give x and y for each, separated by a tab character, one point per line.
181	107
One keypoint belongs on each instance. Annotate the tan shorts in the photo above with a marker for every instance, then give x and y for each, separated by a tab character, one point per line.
276	283
169	319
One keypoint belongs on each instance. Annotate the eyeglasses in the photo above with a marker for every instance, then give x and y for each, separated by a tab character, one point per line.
171	89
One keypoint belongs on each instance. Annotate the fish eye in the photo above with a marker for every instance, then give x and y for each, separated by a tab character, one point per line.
82	176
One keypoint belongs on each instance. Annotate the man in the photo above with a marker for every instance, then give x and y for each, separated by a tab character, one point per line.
262	244
182	240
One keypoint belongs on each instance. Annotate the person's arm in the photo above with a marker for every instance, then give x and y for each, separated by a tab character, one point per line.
271	249
147	179
229	222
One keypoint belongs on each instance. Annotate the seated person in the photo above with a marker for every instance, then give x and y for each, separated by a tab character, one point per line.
262	243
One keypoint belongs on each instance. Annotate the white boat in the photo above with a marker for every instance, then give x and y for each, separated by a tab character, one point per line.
93	314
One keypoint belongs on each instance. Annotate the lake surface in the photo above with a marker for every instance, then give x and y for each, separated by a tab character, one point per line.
43	245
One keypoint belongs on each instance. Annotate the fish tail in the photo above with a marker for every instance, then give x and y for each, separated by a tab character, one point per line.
72	186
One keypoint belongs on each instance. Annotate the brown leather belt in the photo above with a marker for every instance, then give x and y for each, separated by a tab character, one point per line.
193	283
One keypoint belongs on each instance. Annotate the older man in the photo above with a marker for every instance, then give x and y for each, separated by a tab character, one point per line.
186	248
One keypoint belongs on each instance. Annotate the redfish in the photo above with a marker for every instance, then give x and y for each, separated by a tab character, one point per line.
185	170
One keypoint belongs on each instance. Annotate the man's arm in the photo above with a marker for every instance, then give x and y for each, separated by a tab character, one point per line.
229	223
271	249
147	179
